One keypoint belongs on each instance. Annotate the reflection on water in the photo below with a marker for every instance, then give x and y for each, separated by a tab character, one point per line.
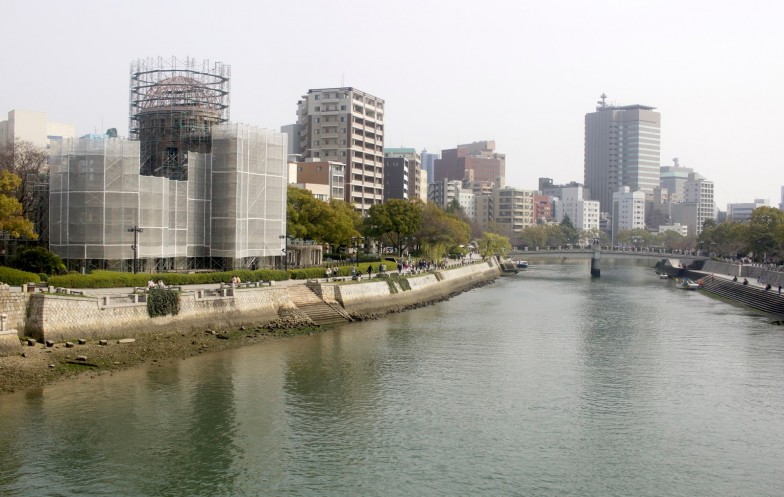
548	383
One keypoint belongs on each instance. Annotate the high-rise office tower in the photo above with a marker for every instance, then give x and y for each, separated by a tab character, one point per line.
622	148
346	125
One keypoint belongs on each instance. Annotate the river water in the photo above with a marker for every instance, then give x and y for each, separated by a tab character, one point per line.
548	383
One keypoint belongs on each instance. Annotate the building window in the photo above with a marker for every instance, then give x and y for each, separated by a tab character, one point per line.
318	108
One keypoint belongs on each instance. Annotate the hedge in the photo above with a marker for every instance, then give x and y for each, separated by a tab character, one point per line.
115	279
11	276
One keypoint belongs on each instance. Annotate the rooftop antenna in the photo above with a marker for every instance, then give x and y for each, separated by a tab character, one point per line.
343	79
675	161
602	104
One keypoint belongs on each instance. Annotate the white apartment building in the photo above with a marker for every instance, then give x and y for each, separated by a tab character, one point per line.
697	190
584	214
33	127
628	211
444	192
346	125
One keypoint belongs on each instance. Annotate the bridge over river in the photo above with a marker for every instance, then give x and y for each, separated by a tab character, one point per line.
584	253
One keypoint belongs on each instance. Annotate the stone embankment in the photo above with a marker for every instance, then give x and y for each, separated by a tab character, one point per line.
61	318
717	279
81	335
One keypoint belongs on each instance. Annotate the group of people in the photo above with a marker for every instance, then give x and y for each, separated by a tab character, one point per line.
235	280
153	284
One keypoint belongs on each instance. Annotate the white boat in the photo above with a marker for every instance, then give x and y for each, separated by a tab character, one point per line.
521	264
687	284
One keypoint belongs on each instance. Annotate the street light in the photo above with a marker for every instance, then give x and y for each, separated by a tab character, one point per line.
135	230
285	251
356	240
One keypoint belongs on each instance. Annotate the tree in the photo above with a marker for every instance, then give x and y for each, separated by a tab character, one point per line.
11	219
394	221
491	244
441	232
38	260
569	232
344	224
306	216
29	163
764	224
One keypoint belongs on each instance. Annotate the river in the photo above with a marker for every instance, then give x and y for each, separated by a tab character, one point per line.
548	383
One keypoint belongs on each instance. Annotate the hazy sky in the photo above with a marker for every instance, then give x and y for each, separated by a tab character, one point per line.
519	72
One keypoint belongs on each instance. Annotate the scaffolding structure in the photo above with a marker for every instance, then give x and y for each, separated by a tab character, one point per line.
174	103
228	214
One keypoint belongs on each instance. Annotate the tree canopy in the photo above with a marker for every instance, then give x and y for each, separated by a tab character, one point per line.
395	222
11	219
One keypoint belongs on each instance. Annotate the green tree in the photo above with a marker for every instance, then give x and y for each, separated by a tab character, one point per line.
764	224
491	244
29	163
306	216
38	260
441	232
533	237
344	224
11	219
395	221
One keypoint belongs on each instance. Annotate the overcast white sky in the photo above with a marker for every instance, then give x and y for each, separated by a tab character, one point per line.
520	72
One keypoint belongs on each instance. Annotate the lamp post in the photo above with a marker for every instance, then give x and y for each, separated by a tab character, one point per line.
135	230
356	240
285	251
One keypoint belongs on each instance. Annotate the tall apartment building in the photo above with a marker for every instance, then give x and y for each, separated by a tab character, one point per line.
414	161
477	161
397	178
444	192
628	211
584	214
346	125
543	208
699	191
622	148
514	209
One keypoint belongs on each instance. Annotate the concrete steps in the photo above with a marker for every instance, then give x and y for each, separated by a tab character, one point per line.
315	308
767	301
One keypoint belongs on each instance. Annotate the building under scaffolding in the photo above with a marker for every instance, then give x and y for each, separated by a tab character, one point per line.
229	213
174	103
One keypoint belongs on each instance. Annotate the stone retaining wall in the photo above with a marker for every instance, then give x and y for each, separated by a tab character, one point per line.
15	306
376	297
775	278
60	318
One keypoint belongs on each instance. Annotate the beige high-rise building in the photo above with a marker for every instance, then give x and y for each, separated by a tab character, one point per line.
514	209
346	125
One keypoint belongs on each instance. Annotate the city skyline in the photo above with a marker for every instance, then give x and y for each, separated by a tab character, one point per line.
523	75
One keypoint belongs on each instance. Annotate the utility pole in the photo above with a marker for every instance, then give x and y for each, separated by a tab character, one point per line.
135	247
